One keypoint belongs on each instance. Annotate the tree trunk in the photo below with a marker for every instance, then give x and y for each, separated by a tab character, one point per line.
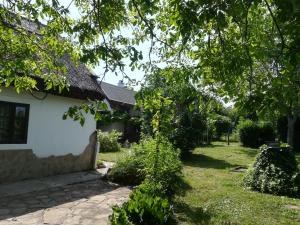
228	134
290	130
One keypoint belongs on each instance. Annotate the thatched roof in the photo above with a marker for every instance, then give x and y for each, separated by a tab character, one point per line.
83	83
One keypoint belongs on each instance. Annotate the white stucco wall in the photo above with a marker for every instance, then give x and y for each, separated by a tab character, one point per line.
48	133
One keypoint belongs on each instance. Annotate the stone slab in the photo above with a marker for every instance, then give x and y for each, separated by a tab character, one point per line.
75	204
27	186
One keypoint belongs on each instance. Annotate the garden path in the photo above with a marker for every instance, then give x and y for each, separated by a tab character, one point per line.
81	203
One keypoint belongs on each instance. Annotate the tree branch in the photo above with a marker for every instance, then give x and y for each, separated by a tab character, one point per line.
276	24
148	25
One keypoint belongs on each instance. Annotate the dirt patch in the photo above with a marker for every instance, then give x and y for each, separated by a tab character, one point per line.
239	169
295	207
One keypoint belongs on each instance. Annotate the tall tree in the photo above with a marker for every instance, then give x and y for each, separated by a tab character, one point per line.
246	50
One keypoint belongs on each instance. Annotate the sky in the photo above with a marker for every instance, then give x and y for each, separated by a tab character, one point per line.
110	77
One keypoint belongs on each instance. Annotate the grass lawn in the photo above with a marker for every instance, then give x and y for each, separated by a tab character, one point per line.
215	195
112	156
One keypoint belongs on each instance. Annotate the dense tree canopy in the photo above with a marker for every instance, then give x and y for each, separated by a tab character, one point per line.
183	112
246	51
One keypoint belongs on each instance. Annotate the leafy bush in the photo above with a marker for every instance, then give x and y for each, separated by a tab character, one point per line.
274	171
163	167
143	208
254	134
144	161
189	131
249	135
128	170
109	141
157	164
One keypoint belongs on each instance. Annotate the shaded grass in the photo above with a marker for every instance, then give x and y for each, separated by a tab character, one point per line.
217	196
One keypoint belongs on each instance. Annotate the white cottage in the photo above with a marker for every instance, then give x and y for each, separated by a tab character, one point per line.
34	139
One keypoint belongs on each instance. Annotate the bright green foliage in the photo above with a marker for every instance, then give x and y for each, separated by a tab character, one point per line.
108	117
274	171
24	54
253	134
143	162
163	167
109	141
78	112
246	51
185	110
100	164
144	209
156	163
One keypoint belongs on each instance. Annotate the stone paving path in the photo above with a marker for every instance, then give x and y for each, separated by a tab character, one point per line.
87	203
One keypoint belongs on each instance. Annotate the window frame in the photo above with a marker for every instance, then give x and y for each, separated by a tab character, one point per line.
12	120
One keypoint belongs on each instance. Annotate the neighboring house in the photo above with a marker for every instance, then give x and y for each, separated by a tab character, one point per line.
34	139
120	98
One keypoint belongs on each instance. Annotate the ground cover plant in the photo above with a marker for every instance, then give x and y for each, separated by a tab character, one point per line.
144	208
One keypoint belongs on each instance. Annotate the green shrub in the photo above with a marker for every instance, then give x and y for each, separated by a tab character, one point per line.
166	170
128	170
109	141
254	134
143	208
141	163
189	130
274	171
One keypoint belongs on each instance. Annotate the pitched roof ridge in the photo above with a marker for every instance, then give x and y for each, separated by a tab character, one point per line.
118	94
122	88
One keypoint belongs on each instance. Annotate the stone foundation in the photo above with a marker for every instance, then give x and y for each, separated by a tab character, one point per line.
16	165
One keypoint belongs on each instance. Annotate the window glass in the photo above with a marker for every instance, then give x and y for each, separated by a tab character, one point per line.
5	112
13	122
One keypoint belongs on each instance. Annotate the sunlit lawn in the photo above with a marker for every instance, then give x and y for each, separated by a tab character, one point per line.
216	195
112	156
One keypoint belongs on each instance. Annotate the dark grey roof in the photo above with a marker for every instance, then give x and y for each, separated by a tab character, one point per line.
118	94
